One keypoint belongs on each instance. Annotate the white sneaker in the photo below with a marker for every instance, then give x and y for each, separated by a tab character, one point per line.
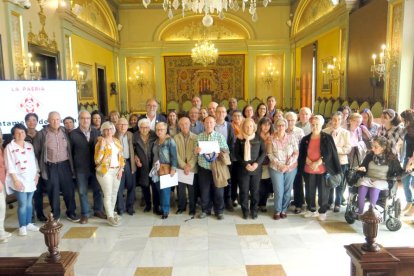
5	235
22	231
322	217
32	227
310	214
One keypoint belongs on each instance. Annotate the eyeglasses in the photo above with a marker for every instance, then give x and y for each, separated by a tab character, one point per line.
280	126
161	129
151	105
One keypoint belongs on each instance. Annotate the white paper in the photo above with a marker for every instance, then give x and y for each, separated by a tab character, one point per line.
168	181
185	178
209	147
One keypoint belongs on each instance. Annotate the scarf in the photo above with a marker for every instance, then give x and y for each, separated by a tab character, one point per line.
247	151
379	159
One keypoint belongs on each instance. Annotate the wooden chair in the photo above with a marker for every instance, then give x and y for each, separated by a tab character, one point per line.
321	110
364	105
241	104
225	103
255	102
186	106
336	105
173	105
328	109
377	109
354	106
316	106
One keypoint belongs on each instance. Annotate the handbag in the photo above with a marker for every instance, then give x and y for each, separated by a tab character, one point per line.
352	176
333	180
164	169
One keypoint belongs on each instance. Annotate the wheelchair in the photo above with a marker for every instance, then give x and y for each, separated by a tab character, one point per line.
388	205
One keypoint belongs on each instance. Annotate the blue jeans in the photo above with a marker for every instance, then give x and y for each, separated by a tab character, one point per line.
83	180
25	207
407	182
164	198
282	187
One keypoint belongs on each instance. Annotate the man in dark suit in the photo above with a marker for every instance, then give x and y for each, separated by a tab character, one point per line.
83	140
152	107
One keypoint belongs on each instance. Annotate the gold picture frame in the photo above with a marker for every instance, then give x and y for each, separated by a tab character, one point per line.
86	88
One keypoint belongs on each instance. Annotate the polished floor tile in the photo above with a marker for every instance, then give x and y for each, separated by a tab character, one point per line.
250	229
154	271
165	231
80	233
265	270
335	227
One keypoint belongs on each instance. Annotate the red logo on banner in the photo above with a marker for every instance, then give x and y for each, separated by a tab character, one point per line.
29	104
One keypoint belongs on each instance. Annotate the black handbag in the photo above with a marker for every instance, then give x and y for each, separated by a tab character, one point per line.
352	176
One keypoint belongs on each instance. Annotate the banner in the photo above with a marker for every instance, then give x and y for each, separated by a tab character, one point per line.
41	97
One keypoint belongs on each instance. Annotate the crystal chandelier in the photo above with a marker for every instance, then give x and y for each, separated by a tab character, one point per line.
209	6
204	53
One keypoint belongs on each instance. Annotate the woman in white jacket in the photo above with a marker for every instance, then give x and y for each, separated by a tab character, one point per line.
342	141
22	176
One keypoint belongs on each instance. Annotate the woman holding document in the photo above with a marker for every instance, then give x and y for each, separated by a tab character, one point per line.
187	162
165	156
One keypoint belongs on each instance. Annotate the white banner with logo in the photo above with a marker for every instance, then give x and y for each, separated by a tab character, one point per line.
17	98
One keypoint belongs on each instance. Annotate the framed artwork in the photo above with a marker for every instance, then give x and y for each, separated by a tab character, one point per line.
326	82
85	89
1	61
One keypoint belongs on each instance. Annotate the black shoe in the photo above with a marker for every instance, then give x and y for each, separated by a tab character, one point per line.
42	218
179	211
235	203
157	212
229	206
131	212
165	216
263	209
72	218
254	215
147	209
192	213
245	215
220	216
337	209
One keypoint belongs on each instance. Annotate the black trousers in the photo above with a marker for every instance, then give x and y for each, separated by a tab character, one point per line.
313	182
38	197
209	192
249	183
234	173
265	188
298	195
128	183
182	195
60	180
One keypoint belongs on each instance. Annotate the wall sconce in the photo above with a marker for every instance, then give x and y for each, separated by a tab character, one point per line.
138	78
30	71
79	77
379	69
332	70
270	74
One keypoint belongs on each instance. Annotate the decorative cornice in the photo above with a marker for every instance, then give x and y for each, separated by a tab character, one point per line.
42	38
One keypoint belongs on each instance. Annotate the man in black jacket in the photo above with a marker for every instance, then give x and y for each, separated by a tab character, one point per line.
83	140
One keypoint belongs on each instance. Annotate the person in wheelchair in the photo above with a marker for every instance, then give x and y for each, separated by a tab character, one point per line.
379	167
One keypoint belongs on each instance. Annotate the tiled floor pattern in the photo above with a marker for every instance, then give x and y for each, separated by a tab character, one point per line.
146	245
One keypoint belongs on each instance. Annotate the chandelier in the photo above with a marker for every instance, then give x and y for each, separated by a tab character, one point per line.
30	70
268	76
204	53
208	7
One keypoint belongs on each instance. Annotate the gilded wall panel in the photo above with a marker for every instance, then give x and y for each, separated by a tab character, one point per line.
269	77
17	45
144	88
397	12
313	11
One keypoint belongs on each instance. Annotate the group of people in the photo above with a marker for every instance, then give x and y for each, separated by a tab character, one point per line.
267	151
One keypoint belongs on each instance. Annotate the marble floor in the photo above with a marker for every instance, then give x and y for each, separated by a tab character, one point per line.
146	245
